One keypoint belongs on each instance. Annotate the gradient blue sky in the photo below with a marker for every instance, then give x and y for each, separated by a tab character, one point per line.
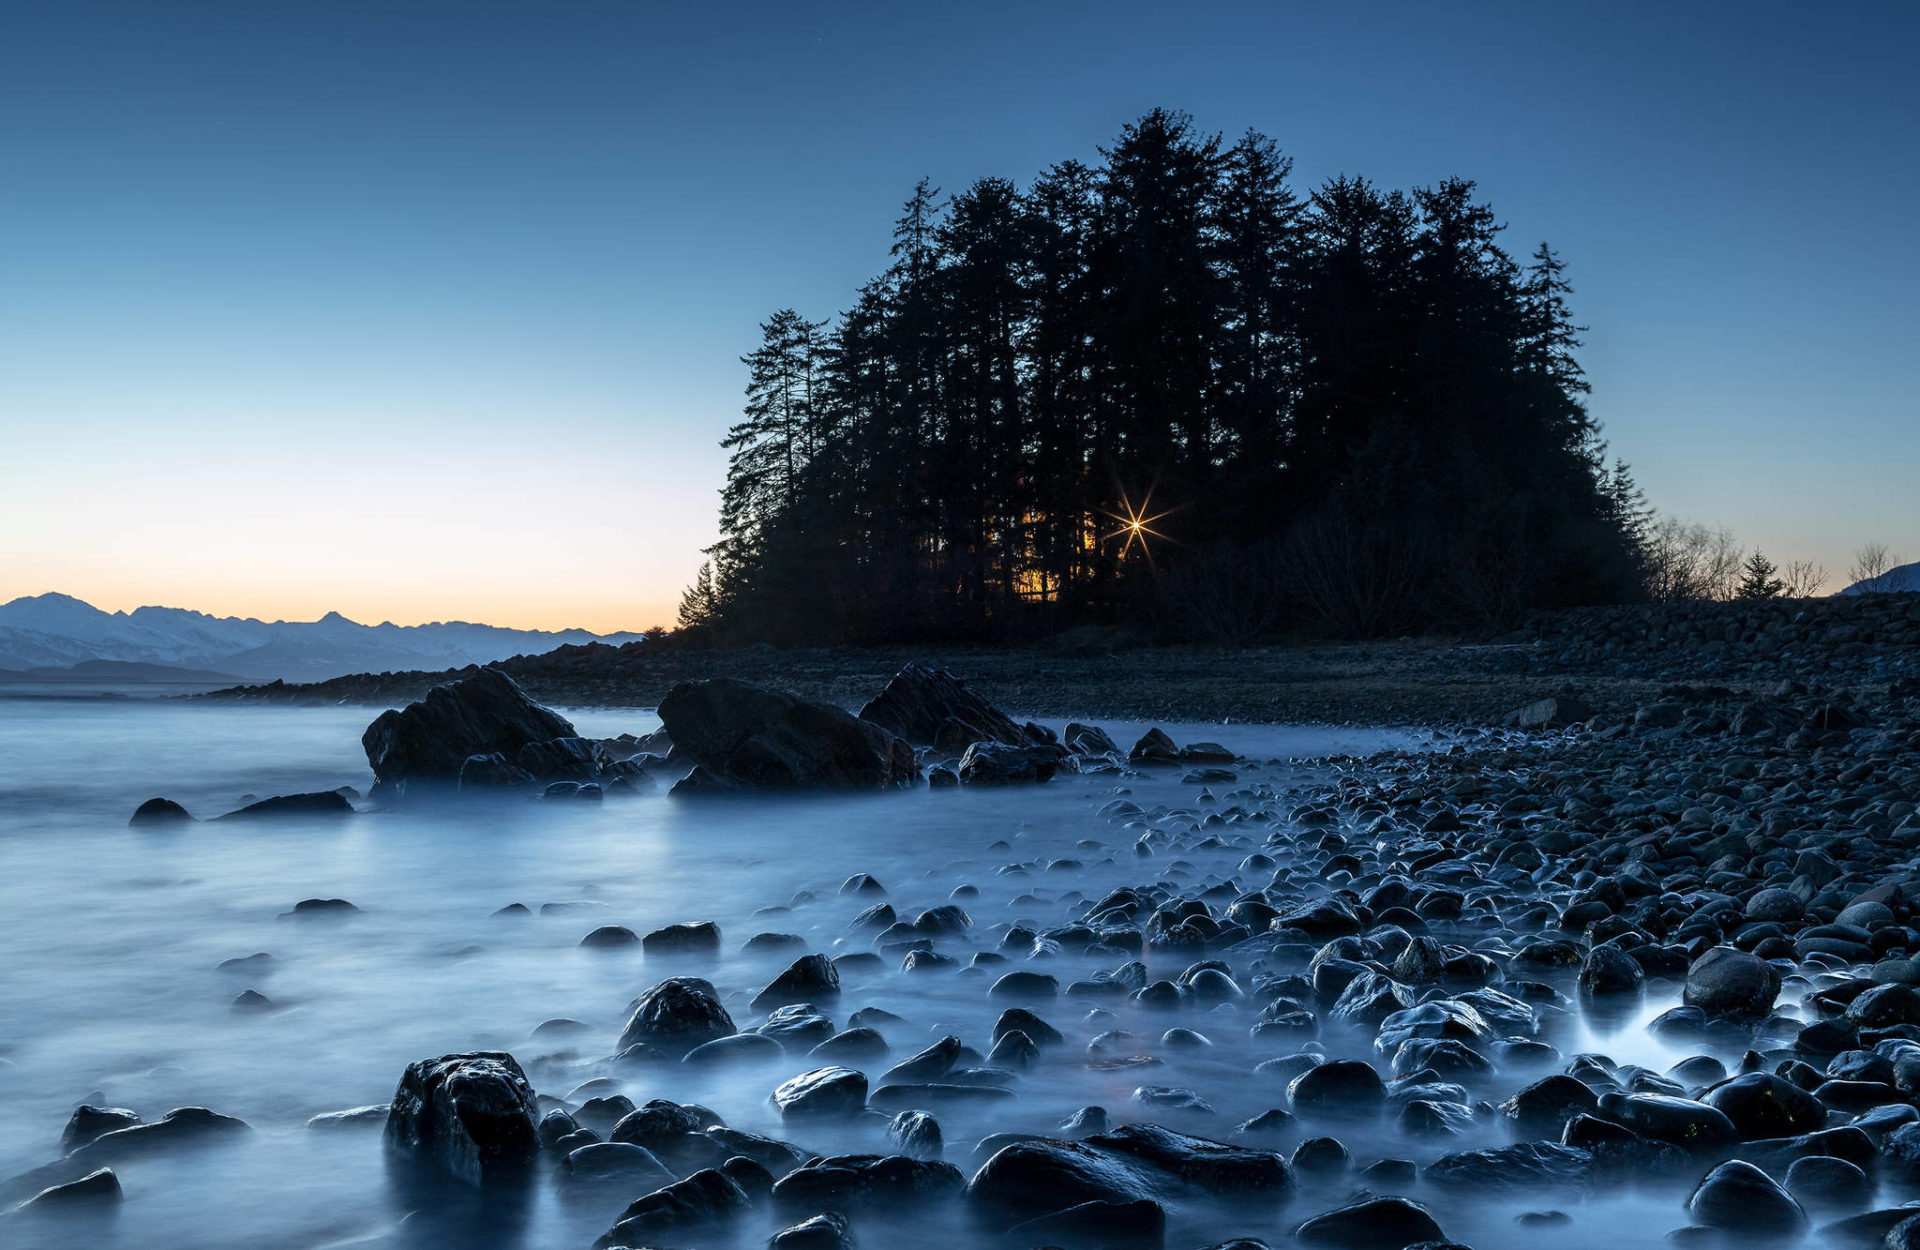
432	311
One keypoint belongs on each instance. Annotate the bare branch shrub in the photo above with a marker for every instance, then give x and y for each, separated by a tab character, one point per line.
1230	594
1688	560
1802	579
1362	581
1872	562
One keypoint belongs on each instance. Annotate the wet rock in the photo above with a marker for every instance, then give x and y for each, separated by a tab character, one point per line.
675	1016
831	1092
930	707
327	803
1762	1105
1217	1167
852	1046
1340	1087
1680	1122
180	1126
706	1198
1371	1224
688	938
847	1182
826	1231
159	813
1740	1197
995	764
1524	1165
1543	1108
371	1115
806	979
916	1134
929	1064
1024	985
745	737
740	1048
613	1162
480	715
1732	983
472	1114
100	1186
1823	1181
88	1122
609	937
1154	747
1038	1177
1608	971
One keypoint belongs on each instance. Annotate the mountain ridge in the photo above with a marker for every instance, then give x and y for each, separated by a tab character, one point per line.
57	630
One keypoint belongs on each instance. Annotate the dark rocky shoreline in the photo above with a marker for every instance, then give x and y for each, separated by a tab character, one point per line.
1414	951
1617	658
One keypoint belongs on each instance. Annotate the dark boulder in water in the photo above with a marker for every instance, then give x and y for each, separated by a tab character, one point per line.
805	979
1731	983
707	1197
676	1015
1214	1166
1762	1105
1340	1087
88	1122
1032	1178
326	803
825	1231
98	1186
1154	747
492	771
930	707
431	740
180	1126
996	764
701	937
160	812
1372	1224
831	1092
615	1162
473	1114
1740	1197
1524	1165
610	936
855	1181
1679	1122
745	737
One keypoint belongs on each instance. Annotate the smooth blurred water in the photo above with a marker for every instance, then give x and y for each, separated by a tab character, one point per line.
112	936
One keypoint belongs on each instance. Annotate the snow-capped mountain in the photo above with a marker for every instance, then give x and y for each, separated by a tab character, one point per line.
1905	577
56	630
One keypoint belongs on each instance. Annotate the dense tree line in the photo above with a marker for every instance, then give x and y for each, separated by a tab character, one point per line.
1350	408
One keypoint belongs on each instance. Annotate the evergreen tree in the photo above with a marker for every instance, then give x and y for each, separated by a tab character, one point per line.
1757	580
1361	386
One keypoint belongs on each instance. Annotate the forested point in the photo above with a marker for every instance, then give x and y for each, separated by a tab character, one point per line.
1170	391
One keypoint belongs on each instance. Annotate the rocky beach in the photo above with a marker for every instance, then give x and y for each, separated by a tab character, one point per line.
1632	957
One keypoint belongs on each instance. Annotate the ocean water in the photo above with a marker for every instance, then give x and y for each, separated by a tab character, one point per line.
112	993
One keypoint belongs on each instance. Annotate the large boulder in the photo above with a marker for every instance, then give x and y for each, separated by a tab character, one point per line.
473	1114
677	1015
703	1199
484	714
745	737
1733	984
930	707
996	764
1389	1223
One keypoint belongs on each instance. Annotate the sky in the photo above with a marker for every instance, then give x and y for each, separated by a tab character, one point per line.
433	311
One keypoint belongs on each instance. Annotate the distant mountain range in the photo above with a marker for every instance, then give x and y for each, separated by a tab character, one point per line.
1905	577
58	631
